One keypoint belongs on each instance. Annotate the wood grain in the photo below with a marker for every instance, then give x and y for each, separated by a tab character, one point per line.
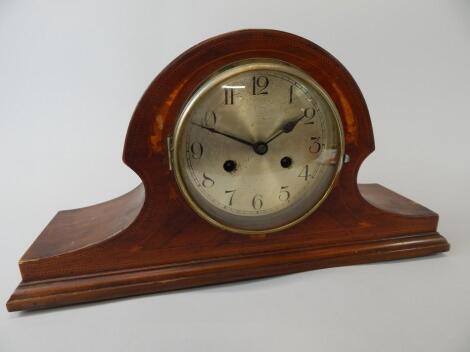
149	240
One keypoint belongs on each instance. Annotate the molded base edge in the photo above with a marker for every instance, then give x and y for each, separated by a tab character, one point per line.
109	285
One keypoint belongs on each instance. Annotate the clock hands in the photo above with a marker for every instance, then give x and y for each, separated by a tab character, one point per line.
287	127
259	147
213	130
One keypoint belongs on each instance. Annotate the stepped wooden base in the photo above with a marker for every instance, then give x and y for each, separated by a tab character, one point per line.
36	295
64	290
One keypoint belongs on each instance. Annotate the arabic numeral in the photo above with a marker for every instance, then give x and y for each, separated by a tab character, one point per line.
207	182
284	194
228	93
231	192
196	150
315	147
260	84
257	202
210	119
309	114
304	173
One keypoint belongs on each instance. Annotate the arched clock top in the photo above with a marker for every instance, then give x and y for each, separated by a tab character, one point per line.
156	113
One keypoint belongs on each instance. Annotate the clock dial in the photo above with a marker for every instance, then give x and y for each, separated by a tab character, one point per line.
257	146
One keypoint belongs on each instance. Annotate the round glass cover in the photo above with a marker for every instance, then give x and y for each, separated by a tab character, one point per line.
257	147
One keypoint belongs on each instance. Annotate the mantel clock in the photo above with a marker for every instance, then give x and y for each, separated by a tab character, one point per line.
248	146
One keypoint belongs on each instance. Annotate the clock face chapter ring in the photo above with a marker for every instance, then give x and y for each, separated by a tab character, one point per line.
257	147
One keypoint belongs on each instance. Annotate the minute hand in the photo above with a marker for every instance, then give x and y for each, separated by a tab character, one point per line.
287	127
213	130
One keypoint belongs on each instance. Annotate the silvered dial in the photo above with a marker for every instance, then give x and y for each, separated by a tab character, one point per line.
257	147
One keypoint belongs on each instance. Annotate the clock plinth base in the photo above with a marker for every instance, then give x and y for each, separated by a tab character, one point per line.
40	289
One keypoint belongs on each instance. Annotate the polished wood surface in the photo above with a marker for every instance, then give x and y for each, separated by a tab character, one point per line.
149	240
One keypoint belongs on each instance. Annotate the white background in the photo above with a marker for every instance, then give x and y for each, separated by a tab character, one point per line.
71	73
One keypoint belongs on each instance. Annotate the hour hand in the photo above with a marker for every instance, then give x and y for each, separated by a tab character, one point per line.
213	130
290	125
287	127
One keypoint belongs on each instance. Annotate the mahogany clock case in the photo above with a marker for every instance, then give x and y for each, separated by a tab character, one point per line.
149	240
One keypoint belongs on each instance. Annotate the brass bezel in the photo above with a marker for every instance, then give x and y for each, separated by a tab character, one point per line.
253	64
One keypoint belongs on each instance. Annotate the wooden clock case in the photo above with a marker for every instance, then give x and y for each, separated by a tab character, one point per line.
149	240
